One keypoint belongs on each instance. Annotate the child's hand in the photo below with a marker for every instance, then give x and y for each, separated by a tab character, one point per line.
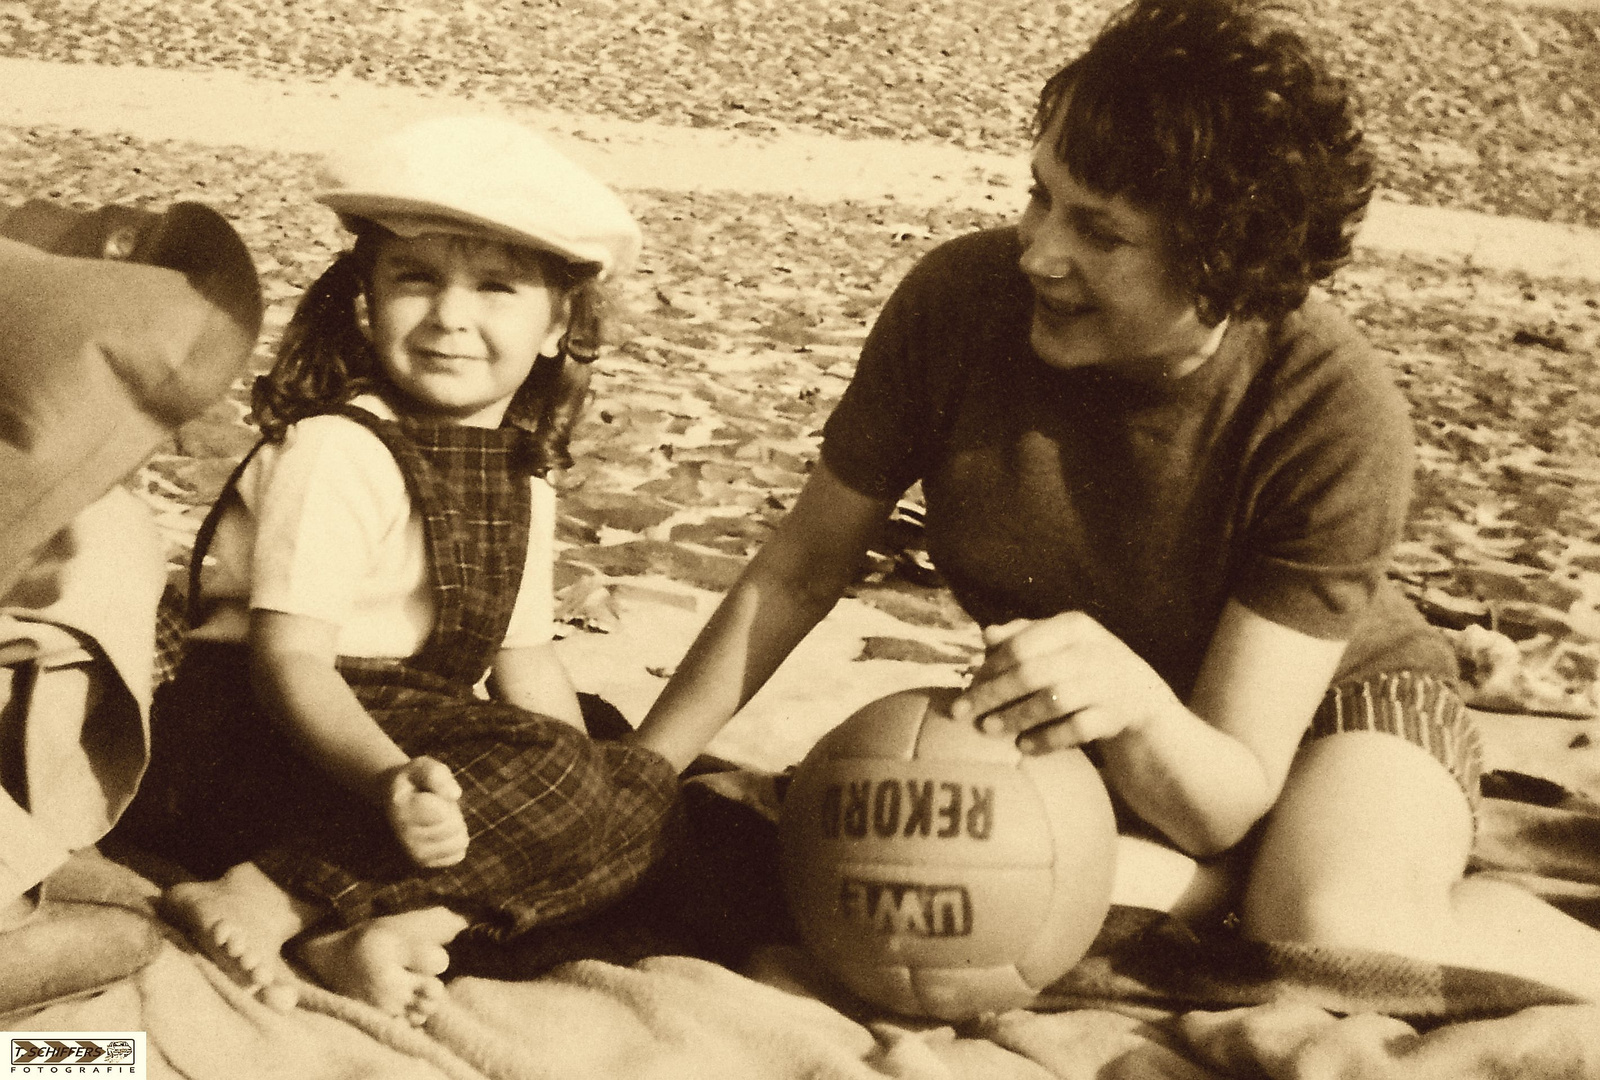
424	810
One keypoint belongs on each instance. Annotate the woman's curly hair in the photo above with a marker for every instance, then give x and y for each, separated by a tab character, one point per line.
325	360
1225	125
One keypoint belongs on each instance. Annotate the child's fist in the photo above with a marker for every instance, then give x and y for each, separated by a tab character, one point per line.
425	812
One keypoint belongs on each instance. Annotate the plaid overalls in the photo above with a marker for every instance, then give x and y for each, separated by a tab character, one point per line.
559	824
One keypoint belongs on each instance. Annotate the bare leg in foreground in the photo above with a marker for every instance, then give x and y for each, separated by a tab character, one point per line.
1367	847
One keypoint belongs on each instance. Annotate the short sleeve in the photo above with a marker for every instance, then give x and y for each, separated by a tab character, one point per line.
869	442
1333	489
324	503
533	615
949	320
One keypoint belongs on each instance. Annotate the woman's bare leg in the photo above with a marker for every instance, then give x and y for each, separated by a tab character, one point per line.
1367	847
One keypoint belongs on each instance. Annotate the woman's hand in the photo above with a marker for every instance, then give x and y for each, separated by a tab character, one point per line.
424	809
1062	681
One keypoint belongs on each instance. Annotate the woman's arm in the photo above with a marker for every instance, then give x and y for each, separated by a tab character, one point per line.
1206	776
1202	773
534	678
790	585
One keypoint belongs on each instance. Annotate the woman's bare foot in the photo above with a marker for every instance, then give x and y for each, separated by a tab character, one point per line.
242	921
392	962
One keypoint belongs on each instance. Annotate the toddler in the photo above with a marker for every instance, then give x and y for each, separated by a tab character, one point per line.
332	749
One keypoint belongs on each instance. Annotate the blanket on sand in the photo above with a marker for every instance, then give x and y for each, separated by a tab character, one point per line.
630	1000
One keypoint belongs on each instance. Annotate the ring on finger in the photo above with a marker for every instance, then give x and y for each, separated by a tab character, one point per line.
1051	703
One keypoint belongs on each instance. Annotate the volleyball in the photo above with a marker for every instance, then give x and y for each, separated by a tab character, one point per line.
941	872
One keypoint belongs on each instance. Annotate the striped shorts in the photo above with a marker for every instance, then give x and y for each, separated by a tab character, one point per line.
1424	710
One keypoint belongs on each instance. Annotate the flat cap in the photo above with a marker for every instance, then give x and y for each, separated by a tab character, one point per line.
482	174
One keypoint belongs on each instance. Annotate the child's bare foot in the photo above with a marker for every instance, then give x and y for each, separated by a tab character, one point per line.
392	962
17	911
242	921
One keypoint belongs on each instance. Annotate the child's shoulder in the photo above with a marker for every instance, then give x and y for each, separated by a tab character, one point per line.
335	432
325	449
329	434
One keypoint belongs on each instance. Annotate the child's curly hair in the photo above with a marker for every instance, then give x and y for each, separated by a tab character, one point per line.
1225	125
324	360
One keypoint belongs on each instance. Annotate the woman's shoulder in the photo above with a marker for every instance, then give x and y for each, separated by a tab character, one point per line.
968	288
1319	358
1320	335
988	256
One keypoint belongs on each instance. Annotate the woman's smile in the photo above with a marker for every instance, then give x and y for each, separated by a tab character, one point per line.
1052	309
1105	292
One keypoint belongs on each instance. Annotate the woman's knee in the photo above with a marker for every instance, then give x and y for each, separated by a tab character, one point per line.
1367	840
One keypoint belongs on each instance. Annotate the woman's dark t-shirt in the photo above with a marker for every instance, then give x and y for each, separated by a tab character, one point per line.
1278	473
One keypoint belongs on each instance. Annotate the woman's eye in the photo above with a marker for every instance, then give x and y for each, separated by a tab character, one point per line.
496	287
1038	194
1101	238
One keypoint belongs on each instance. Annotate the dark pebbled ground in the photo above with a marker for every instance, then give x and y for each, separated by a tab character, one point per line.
742	325
1470	103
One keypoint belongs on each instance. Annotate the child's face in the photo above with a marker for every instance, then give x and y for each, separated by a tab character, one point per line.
457	323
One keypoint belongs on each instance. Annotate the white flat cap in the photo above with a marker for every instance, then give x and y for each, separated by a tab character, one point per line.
482	174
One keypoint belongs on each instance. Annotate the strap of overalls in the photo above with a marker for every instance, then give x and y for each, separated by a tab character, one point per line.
464	635
208	531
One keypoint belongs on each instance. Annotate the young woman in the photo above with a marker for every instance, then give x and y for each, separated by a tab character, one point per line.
1166	481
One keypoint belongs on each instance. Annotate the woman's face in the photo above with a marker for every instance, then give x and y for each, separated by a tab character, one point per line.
1105	294
457	323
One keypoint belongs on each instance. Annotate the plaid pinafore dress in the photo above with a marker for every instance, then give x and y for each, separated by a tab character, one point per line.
559	824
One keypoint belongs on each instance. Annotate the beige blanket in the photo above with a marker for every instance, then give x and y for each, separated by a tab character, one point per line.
1295	1013
675	1017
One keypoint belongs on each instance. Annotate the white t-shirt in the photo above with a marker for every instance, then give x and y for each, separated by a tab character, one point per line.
324	527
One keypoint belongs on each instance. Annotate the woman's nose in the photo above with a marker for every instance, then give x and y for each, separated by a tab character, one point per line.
1046	251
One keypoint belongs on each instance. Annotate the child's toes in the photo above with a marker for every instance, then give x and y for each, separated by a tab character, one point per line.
280	996
425	1002
431	960
228	944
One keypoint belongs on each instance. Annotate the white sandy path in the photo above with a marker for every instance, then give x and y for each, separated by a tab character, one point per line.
224	109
